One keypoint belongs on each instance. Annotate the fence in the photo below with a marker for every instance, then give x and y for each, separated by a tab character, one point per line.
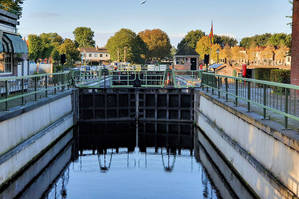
277	101
15	91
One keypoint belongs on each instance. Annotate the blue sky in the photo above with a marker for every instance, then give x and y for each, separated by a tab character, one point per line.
237	18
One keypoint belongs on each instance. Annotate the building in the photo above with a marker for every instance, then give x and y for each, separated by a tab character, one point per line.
94	56
13	49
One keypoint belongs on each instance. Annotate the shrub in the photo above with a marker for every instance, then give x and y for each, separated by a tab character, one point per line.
280	76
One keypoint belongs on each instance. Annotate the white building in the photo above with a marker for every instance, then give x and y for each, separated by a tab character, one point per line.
13	49
94	56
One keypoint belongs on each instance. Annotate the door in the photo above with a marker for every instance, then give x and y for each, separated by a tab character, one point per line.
193	64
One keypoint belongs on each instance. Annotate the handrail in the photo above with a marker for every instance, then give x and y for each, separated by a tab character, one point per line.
279	98
30	76
290	86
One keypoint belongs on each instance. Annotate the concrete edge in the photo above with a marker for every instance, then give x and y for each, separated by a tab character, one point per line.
288	140
6	156
31	106
27	143
247	156
64	140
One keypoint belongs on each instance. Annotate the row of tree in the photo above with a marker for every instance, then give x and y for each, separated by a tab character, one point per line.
128	46
275	40
51	46
260	55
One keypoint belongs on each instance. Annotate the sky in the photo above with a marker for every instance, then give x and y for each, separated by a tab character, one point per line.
236	18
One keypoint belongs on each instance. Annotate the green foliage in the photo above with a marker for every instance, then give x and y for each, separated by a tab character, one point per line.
188	44
157	42
136	49
173	51
267	39
35	47
13	6
70	50
280	76
225	40
262	74
203	46
50	41
84	37
279	40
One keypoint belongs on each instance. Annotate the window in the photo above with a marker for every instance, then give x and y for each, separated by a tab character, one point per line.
95	55
106	55
5	63
101	55
90	55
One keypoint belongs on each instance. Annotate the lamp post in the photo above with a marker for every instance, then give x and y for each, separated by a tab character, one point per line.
218	51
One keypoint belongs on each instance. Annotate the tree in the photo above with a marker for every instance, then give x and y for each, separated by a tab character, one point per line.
35	47
279	40
225	40
84	37
236	53
226	54
126	44
71	52
268	54
281	53
203	47
251	53
173	51
256	40
246	42
157	42
13	6
188	44
214	55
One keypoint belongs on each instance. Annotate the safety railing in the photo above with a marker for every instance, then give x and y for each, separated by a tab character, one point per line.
152	78
83	78
122	78
186	78
16	91
275	101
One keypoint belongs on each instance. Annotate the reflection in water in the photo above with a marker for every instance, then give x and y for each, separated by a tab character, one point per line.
125	160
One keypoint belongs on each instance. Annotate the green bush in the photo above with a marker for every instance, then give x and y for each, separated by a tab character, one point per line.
262	74
280	76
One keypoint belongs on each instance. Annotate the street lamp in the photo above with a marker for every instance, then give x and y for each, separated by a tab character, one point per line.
218	51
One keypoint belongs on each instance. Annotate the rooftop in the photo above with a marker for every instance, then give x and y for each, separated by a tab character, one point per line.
93	50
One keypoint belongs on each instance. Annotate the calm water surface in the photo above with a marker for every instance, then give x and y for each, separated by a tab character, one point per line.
116	161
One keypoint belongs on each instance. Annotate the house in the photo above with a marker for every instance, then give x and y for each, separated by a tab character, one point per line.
186	59
94	56
13	49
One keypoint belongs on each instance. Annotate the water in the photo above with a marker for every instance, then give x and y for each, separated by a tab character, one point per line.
124	161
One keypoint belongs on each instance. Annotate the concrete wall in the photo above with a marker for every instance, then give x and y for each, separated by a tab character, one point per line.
26	135
268	161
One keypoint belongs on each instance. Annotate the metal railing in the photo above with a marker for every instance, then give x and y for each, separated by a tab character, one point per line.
186	78
16	91
275	101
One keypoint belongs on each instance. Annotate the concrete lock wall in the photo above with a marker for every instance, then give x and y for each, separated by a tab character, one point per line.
269	165
28	134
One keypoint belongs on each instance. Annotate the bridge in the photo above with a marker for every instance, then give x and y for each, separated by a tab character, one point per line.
253	124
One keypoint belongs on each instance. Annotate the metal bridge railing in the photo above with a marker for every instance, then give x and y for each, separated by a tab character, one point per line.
16	91
275	101
186	78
